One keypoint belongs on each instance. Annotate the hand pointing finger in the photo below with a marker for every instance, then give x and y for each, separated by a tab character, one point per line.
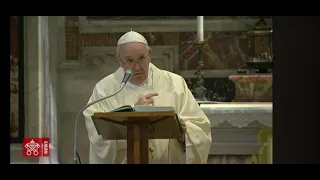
150	95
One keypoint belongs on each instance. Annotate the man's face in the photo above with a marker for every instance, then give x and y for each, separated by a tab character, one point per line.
135	56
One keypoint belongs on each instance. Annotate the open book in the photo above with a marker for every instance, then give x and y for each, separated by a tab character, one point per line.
128	108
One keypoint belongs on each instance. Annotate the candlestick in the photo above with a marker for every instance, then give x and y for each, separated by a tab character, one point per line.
198	90
200	28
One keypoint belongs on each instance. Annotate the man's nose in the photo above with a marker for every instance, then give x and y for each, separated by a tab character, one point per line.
136	66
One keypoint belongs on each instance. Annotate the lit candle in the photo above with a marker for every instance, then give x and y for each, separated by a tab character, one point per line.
200	28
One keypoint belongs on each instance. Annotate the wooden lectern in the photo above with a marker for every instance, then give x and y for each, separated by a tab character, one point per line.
137	128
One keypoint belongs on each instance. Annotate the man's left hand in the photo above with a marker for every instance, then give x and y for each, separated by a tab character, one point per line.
182	141
184	127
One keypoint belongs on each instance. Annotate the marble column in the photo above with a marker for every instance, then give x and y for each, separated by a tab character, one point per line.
40	74
47	108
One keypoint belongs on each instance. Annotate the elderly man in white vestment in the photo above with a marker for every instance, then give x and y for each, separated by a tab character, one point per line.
148	85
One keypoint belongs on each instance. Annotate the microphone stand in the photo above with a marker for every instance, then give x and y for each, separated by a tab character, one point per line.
123	83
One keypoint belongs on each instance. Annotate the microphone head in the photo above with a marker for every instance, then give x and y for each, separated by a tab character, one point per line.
129	71
127	76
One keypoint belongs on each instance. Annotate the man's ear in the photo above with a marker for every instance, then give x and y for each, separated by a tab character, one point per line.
150	53
117	56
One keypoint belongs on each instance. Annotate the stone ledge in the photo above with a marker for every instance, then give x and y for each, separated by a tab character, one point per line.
113	26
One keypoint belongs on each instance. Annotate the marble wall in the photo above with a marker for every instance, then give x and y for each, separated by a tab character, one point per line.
226	47
224	50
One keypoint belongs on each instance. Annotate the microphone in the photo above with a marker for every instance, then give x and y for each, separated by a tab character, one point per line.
126	77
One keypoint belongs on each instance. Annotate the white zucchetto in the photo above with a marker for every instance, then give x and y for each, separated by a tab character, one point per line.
131	37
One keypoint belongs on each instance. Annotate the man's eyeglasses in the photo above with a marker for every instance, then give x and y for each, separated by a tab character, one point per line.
131	63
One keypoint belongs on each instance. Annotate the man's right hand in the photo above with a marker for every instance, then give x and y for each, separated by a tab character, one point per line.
147	100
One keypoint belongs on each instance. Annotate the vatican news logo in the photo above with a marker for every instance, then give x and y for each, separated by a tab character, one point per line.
36	147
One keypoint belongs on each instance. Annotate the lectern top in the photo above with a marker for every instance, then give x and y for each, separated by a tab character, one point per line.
133	114
161	124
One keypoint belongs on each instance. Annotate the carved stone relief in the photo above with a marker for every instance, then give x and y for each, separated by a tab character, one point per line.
101	59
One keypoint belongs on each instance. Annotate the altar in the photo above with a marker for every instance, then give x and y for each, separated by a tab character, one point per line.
241	132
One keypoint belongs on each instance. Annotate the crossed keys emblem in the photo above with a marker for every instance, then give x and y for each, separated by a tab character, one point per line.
32	147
